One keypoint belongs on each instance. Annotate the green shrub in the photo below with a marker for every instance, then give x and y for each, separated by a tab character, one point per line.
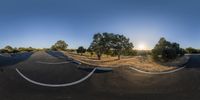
165	51
81	50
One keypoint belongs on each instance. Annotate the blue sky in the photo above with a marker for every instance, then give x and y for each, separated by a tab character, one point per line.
40	23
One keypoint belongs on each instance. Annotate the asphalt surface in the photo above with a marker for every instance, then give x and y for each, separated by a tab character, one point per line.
120	84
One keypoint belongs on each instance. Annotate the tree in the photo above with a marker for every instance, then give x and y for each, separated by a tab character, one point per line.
7	49
15	50
53	47
109	43
81	50
90	51
59	45
165	50
98	45
191	50
120	43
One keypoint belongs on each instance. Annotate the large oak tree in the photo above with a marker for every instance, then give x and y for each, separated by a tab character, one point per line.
104	43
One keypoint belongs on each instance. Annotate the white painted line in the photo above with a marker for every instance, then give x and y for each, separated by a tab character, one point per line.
56	63
76	62
157	73
192	54
104	69
56	85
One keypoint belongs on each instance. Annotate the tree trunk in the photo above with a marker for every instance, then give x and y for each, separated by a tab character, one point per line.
99	57
119	56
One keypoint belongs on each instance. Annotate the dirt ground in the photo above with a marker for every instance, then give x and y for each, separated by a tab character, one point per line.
139	62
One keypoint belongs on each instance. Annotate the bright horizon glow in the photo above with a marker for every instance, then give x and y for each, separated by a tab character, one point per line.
141	46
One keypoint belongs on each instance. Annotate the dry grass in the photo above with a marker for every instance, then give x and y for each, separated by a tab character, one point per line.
139	62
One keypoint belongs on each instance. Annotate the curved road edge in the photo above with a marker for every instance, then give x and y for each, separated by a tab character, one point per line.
55	85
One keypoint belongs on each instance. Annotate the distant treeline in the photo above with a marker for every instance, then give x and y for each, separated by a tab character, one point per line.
115	45
9	49
191	50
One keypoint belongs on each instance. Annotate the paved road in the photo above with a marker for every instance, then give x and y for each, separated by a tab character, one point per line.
120	84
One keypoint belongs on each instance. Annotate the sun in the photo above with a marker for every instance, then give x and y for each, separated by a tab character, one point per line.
141	47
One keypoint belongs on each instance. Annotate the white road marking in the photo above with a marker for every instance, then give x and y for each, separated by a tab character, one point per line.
56	63
191	54
56	85
76	62
104	69
157	73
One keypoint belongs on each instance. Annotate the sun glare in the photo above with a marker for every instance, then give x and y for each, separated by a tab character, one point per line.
141	47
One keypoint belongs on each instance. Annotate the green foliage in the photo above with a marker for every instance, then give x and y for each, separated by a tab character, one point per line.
29	49
98	45
15	50
9	49
129	52
90	51
110	44
165	50
71	50
143	52
81	50
60	45
119	43
192	50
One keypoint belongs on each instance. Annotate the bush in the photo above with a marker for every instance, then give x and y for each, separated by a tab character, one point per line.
129	53
192	50
143	52
81	50
165	51
9	49
29	49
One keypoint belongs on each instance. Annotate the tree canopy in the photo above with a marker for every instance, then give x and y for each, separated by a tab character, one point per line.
105	43
192	50
7	49
165	50
60	45
120	43
81	50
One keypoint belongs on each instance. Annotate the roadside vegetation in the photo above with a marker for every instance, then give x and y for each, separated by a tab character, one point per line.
165	51
81	50
9	49
59	45
114	50
110	44
191	50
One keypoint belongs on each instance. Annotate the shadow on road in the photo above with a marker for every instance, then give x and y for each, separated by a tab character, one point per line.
194	62
58	55
88	69
14	59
